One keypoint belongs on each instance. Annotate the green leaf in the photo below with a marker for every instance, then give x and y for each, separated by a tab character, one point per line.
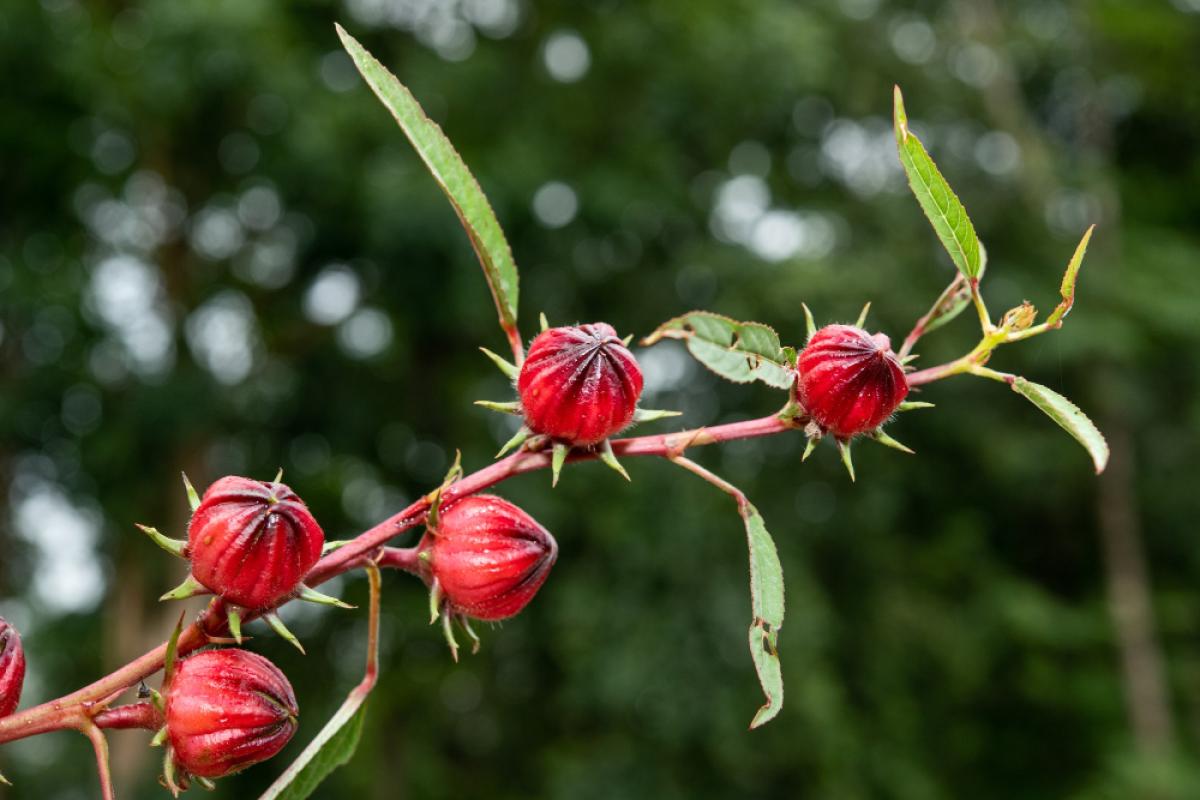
448	169
333	747
1067	415
938	201
737	351
766	602
1067	290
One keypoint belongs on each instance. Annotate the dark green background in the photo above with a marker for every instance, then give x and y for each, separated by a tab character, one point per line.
952	625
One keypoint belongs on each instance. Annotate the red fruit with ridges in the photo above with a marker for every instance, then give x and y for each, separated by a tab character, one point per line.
488	557
227	710
579	384
12	668
849	381
252	542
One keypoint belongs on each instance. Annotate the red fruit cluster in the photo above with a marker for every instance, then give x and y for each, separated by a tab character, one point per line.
252	542
227	710
12	668
488	557
848	381
579	384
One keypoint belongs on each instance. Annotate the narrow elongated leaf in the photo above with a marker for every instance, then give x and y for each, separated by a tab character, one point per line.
737	351
1067	415
333	747
766	602
448	169
938	201
1067	290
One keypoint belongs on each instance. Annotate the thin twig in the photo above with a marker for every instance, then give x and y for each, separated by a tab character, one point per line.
100	746
716	480
514	342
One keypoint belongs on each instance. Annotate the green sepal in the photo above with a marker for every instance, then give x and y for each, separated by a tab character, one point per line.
543	322
651	414
160	738
791	412
4	780
511	407
277	625
908	359
435	497
173	546
329	547
234	617
475	641
509	369
517	440
455	472
844	449
435	601
448	632
913	405
609	459
189	588
558	457
205	783
172	651
809	325
156	700
862	317
888	441
169	775
808	449
435	510
192	496
627	340
311	595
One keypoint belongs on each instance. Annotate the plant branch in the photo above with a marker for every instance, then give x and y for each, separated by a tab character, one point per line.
100	746
716	480
134	715
65	711
371	674
985	320
406	559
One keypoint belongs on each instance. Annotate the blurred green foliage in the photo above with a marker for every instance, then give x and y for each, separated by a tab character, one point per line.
218	254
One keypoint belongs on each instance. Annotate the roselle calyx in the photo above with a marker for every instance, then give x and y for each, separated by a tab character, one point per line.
579	384
226	710
12	668
849	381
486	558
252	542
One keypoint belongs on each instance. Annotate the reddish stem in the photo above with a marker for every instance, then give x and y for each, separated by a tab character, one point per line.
514	341
402	558
135	715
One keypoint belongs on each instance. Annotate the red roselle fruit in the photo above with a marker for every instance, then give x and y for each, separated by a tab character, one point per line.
487	556
579	384
252	542
848	381
226	710
12	668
